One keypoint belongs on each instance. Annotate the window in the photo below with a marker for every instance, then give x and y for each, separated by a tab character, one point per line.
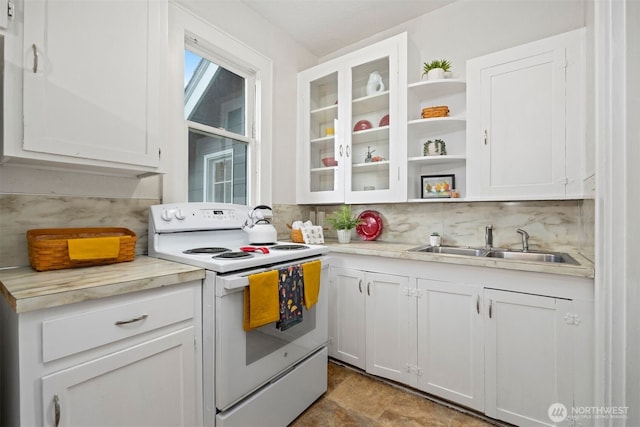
220	98
219	111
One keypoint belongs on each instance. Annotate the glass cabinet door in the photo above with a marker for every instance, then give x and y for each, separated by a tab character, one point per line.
369	152
320	173
323	158
352	127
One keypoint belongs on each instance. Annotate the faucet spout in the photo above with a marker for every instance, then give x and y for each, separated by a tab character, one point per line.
488	236
525	239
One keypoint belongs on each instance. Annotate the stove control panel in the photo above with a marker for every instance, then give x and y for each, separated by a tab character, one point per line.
197	216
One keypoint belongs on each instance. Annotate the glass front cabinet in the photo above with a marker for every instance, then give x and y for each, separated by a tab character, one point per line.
352	127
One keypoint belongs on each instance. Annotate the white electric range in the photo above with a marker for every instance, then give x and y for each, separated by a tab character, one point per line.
245	374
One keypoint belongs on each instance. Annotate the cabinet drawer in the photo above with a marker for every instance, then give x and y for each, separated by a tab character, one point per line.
64	336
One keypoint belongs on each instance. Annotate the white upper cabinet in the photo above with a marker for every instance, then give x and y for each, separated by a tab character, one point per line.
525	125
352	127
94	91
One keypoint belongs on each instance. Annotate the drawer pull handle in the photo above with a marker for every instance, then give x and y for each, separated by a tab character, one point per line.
478	304
56	408
369	288
490	309
135	319
360	285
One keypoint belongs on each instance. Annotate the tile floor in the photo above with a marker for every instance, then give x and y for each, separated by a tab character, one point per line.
354	399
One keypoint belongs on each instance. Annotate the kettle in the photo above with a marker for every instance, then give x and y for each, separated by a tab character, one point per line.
259	229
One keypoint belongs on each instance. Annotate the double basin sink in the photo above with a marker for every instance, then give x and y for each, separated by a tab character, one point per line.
535	256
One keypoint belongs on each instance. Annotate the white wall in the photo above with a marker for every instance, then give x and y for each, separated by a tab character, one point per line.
466	29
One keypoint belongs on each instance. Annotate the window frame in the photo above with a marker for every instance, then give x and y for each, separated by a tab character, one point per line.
235	56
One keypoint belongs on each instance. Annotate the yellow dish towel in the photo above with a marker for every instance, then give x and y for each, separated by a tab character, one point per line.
93	248
261	303
311	274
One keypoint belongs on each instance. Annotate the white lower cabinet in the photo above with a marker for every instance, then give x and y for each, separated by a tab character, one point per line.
450	342
370	326
528	356
132	359
509	344
142	385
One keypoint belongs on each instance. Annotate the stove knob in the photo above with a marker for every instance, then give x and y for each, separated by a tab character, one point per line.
167	214
180	215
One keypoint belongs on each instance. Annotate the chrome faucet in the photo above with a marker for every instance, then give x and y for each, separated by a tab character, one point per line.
488	236
525	239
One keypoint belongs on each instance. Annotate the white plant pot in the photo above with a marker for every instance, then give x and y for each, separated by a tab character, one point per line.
344	236
435	74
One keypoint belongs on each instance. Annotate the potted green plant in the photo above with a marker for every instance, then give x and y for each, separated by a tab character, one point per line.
343	221
436	69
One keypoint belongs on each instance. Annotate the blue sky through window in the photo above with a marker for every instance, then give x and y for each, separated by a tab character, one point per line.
191	61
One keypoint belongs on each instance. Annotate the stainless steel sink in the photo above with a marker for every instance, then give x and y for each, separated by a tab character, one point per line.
553	257
451	250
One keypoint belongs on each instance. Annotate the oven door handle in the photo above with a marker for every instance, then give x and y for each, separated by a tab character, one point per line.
240	281
234	282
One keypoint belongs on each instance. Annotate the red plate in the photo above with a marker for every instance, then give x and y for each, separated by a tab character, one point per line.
371	227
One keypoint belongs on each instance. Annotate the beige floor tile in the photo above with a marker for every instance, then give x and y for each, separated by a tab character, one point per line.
354	399
364	396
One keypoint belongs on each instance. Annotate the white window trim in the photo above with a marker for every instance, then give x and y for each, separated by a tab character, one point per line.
207	159
259	176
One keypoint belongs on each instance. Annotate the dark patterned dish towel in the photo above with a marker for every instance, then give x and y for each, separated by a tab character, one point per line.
291	295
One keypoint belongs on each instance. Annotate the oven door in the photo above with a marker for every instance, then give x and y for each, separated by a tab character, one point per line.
245	361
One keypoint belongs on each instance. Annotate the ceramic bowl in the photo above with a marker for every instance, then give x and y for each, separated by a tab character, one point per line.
362	125
329	161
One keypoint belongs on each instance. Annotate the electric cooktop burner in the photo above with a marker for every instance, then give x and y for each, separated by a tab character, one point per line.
289	247
233	255
206	250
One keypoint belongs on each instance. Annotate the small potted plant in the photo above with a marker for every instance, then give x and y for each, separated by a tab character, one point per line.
343	221
436	69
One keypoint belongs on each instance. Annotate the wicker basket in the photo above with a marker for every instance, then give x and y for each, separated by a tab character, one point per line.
296	235
49	247
439	111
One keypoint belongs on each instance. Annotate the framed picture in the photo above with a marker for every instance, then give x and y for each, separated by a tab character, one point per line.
437	186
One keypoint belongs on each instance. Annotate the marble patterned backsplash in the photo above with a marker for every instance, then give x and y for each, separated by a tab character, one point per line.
566	225
563	225
19	213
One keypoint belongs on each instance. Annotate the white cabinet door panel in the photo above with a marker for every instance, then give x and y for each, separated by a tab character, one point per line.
349	339
525	125
92	90
450	342
528	351
388	327
125	388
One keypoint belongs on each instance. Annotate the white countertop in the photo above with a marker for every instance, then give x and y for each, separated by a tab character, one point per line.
26	289
401	250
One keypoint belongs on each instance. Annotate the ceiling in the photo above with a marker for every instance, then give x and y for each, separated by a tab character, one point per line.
324	26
